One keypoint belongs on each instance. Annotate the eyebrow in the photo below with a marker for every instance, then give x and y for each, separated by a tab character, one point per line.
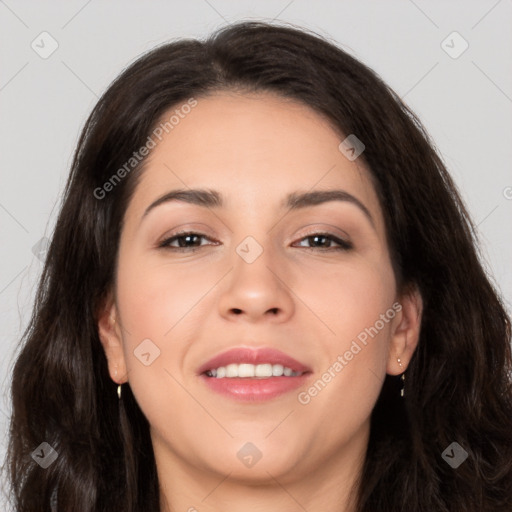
295	201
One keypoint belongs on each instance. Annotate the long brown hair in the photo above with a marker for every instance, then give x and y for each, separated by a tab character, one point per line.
458	385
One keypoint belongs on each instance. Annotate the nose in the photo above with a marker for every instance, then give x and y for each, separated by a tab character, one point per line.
257	290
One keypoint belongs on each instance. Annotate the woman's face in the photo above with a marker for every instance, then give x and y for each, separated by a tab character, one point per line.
255	274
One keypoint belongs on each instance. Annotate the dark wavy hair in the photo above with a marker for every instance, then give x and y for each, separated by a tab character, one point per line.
458	386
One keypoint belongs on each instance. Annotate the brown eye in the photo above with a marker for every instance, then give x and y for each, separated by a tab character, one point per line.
187	241
324	239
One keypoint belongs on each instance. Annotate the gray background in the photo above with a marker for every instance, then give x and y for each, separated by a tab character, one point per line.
465	104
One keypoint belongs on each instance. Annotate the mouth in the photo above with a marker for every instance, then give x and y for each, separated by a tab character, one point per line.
253	375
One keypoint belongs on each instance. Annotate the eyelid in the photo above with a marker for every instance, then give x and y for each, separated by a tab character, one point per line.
183	229
331	231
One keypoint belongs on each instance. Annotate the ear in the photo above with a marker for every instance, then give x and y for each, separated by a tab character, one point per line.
109	331
405	330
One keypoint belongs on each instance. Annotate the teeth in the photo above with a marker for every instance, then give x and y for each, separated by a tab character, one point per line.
246	370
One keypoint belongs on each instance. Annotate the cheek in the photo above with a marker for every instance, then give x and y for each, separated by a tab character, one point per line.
161	306
348	297
169	304
356	303
154	298
364	322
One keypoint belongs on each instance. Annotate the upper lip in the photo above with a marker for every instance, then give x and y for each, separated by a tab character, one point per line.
261	355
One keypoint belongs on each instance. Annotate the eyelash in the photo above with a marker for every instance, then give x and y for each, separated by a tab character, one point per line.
344	245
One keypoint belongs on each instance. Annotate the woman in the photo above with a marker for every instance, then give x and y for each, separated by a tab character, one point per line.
260	248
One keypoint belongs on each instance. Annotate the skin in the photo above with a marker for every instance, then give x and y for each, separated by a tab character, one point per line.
255	149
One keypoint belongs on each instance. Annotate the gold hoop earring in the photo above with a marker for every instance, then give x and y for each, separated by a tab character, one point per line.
402	391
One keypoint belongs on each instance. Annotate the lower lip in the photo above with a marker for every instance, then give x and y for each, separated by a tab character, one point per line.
254	390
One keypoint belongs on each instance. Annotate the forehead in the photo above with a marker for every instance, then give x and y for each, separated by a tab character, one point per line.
255	149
